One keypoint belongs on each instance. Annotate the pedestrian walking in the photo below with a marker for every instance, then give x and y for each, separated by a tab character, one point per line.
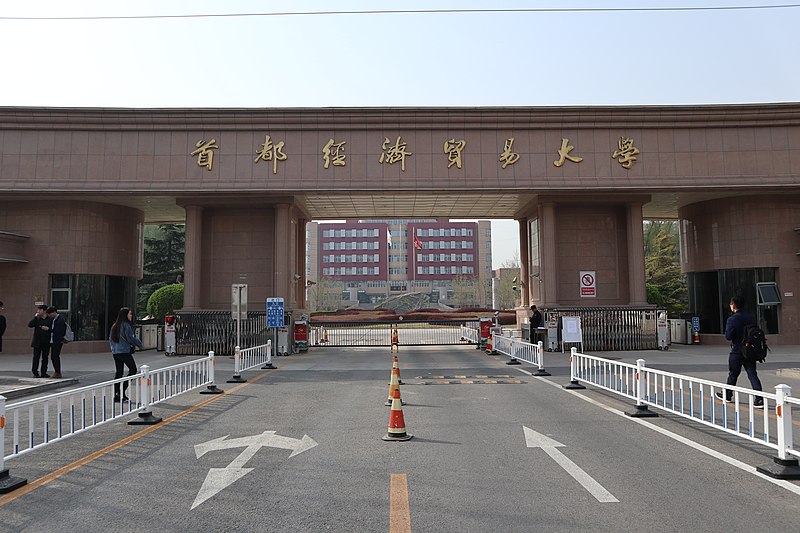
58	328
2	325
123	343
734	332
41	341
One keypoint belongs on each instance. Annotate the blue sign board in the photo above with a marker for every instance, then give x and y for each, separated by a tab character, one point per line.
695	323
275	313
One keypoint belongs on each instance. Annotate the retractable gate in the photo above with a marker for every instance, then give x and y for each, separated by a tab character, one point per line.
409	333
613	328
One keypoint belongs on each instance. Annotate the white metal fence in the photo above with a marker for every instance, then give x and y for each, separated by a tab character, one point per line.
761	417
519	350
248	358
471	335
37	422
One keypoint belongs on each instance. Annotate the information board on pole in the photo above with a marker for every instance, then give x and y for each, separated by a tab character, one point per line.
571	331
239	301
275	313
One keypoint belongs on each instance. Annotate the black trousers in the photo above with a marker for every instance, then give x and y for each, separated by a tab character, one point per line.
121	360
43	353
55	356
735	363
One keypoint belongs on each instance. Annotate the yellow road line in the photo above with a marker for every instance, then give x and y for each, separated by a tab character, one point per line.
399	511
11	496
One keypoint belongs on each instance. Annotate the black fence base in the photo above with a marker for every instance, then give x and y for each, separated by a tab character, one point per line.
145	418
269	366
542	372
212	389
574	384
513	362
9	482
781	469
641	411
236	379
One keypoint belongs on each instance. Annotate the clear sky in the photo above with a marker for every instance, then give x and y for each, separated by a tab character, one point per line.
633	52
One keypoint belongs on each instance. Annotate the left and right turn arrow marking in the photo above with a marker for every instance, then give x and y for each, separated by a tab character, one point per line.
219	478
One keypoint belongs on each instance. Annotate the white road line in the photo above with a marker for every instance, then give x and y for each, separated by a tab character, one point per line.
588	482
791	487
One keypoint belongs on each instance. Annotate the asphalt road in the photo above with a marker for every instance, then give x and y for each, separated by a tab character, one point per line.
469	467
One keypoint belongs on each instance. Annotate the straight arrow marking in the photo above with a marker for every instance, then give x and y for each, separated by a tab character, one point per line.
537	440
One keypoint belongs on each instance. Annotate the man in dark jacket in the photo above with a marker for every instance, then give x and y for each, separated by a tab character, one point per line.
734	332
58	330
41	340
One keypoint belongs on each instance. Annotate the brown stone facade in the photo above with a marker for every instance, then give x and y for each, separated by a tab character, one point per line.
748	233
77	184
63	237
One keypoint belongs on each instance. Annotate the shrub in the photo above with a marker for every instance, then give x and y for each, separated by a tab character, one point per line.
165	301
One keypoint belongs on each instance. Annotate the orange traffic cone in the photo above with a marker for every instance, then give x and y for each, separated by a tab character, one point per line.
394	385
490	344
395	340
397	424
395	369
324	334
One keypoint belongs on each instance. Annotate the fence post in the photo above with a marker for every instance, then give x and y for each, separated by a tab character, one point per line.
641	410
7	482
539	347
237	367
573	370
783	466
269	365
212	386
145	417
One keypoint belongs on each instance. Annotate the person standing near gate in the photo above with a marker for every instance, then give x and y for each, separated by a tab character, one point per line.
536	317
734	332
41	341
123	342
57	331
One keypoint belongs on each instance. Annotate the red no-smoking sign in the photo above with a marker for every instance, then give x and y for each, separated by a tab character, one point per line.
588	284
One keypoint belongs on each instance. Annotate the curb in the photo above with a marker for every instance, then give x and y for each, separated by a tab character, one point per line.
25	388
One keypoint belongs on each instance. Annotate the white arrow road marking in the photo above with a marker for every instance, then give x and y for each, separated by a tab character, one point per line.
219	478
216	480
537	440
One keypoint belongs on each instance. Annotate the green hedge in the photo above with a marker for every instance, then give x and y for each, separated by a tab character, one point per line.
165	301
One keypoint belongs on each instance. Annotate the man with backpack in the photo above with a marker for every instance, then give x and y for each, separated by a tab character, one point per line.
735	332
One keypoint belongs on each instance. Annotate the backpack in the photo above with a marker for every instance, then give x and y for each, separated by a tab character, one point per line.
754	343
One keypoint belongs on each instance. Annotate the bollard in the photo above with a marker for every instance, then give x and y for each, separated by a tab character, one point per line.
539	347
145	417
783	466
573	371
7	482
212	387
237	367
641	410
269	365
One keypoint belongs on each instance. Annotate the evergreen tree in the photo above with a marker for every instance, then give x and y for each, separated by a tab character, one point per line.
163	259
666	285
